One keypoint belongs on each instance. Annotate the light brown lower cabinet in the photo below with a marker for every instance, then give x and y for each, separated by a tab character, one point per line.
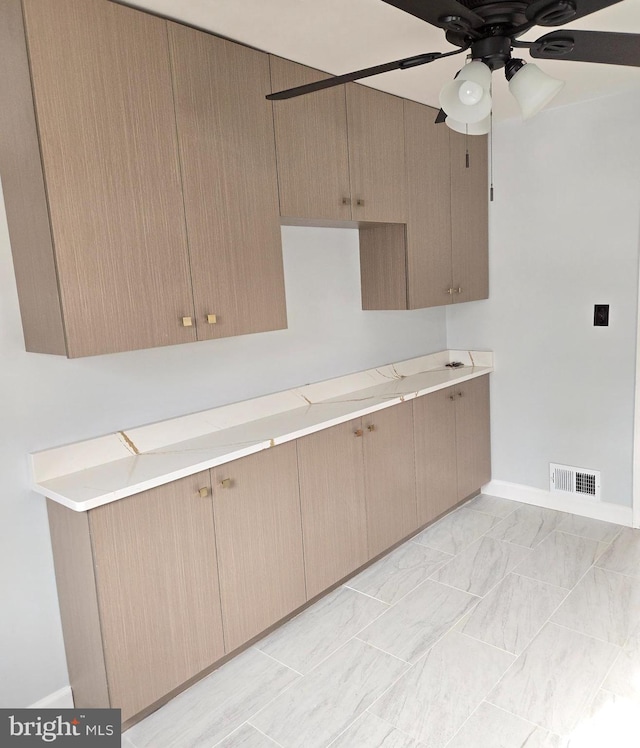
334	514
452	446
156	588
138	588
390	486
256	506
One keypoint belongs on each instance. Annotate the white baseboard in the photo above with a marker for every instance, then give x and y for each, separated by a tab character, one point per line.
62	699
616	513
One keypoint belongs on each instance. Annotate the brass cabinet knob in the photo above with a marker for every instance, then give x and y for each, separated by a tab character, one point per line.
225	483
360	202
187	322
357	432
346	201
371	427
203	492
212	319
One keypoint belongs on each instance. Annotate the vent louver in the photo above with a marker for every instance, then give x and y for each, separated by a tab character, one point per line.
577	481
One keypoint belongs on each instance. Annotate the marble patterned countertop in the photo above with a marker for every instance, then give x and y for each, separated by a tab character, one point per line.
87	474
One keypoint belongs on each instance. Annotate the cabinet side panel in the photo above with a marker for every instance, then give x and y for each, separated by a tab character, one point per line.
158	592
473	436
435	443
311	145
383	267
376	154
469	217
73	561
334	518
228	156
259	539
104	103
390	483
429	207
24	193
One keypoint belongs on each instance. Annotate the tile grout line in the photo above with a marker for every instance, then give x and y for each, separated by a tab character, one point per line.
275	659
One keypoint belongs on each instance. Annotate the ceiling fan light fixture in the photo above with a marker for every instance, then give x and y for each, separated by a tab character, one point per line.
476	128
467	98
531	87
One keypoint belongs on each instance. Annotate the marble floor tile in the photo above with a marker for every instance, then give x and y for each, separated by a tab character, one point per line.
327	700
493	505
611	722
372	732
432	700
624	678
400	572
528	526
603	604
247	737
456	531
210	710
490	727
323	628
624	553
553	680
481	566
511	615
560	559
594	529
414	624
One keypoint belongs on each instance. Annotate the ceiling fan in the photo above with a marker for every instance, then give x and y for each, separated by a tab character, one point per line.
490	31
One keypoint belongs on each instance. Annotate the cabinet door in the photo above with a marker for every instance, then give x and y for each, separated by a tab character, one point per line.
158	595
390	486
334	518
311	145
469	217
376	155
473	438
257	516
227	150
435	445
102	87
429	208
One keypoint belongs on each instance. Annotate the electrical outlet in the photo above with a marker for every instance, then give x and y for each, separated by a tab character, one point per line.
601	315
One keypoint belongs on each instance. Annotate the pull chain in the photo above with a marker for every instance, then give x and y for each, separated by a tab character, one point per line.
466	147
491	150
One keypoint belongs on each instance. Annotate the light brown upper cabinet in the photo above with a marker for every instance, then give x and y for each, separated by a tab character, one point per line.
256	506
93	195
340	151
334	514
138	587
390	486
452	446
227	151
443	258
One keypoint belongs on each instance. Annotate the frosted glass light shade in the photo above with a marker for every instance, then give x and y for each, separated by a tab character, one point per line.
461	98
476	128
533	89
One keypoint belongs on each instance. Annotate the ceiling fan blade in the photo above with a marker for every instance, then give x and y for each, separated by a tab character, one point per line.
556	16
589	46
407	62
432	11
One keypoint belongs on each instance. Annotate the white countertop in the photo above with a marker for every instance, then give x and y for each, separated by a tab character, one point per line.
88	474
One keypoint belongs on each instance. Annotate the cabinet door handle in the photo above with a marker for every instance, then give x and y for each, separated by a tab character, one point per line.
460	394
187	322
212	319
225	483
358	432
450	291
203	492
458	290
372	427
346	201
452	397
360	202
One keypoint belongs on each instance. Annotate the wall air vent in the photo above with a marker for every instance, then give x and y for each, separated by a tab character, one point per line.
577	481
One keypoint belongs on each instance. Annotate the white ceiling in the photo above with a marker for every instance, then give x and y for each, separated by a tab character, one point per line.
343	35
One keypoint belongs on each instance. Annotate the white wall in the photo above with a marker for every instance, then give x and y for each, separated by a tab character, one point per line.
564	235
47	401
